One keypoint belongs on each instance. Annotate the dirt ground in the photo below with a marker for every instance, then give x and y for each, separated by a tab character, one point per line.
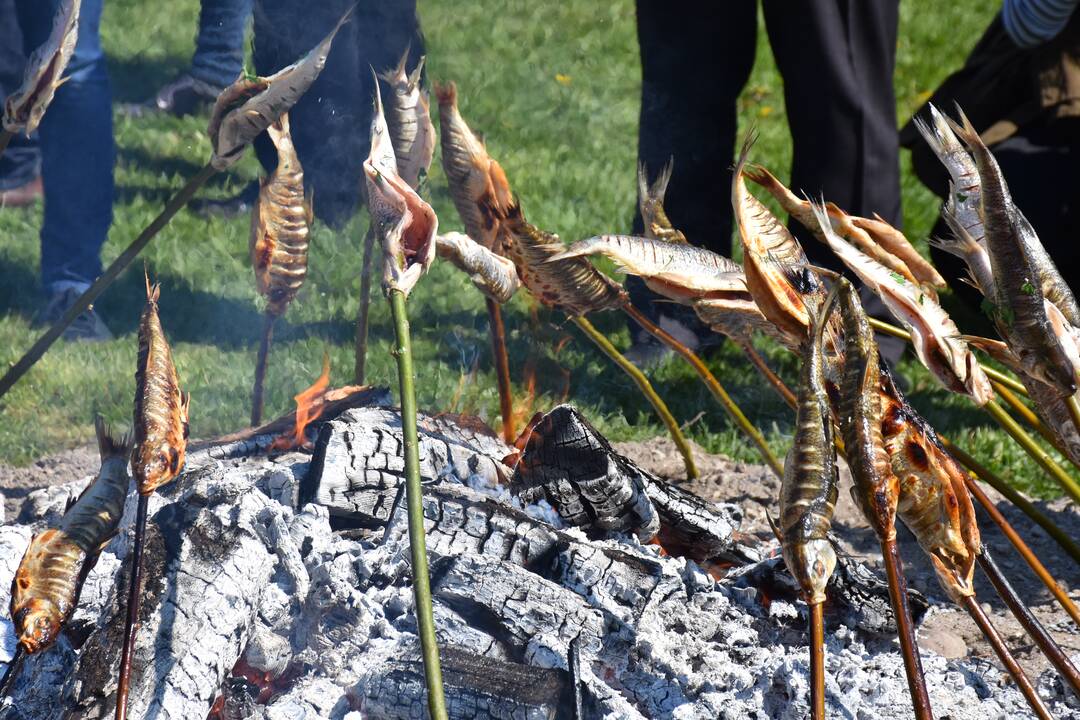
946	629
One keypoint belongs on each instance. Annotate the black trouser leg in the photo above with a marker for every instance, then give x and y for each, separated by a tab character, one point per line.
695	60
331	123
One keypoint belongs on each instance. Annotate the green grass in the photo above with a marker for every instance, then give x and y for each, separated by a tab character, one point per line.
568	146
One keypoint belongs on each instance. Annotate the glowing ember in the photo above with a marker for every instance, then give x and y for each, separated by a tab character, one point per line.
309	406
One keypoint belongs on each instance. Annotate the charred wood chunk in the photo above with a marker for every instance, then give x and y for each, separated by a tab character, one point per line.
695	528
477	687
568	463
358	462
857	597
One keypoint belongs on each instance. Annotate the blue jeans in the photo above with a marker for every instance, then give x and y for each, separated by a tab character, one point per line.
219	47
77	151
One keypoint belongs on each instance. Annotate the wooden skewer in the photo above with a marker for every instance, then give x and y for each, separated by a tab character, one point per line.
260	370
991	634
714	386
360	371
767	372
1040	456
133	601
502	370
905	630
646	389
1035	630
817	661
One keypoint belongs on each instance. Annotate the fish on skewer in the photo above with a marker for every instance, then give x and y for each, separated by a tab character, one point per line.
808	498
896	243
777	270
45	590
680	272
876	488
935	337
478	185
492	274
846	226
24	108
408	115
161	434
280	222
1020	276
651	204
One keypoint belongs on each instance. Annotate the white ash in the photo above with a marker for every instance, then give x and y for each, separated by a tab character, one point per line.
244	573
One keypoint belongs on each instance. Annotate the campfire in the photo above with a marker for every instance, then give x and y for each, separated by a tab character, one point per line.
278	586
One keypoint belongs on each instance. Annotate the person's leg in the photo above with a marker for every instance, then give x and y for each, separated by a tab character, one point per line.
695	60
837	59
20	164
77	152
219	47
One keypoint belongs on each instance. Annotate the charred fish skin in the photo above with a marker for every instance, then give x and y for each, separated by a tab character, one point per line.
651	205
280	225
408	115
494	275
810	484
1021	314
876	488
161	408
46	586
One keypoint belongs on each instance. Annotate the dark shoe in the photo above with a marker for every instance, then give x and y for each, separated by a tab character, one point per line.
239	204
23	195
88	327
185	95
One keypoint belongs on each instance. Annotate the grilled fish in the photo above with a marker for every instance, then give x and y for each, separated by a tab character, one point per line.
247	107
24	108
279	226
1020	313
46	587
894	242
680	272
492	274
809	488
478	185
934	502
935	337
161	409
572	285
651	203
408	114
738	318
406	225
777	270
843	224
876	488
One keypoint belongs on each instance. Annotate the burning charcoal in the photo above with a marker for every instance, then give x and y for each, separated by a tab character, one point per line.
476	687
568	463
857	596
358	463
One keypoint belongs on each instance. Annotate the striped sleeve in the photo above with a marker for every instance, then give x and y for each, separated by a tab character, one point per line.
1033	22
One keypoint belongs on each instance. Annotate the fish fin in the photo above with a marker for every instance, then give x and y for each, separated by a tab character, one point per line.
966	131
417	73
760	175
279	130
446	94
642	182
108	444
774	526
393	73
744	152
309	205
502	196
659	187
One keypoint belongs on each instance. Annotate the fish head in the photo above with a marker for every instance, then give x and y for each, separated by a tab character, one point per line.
1058	376
38	623
816	561
406	226
154	467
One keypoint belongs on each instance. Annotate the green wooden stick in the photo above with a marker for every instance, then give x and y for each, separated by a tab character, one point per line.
646	389
1032	448
425	620
39	348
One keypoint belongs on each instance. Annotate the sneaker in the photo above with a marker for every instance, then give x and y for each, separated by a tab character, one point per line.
186	95
87	327
230	207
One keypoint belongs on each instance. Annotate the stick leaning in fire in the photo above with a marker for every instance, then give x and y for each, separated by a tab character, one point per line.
406	227
161	434
242	111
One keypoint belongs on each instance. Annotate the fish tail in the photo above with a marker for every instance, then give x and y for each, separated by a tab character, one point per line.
108	444
446	94
153	291
418	71
966	131
397	71
279	130
659	187
642	181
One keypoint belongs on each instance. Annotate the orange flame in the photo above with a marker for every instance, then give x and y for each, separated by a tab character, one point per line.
523	407
309	406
